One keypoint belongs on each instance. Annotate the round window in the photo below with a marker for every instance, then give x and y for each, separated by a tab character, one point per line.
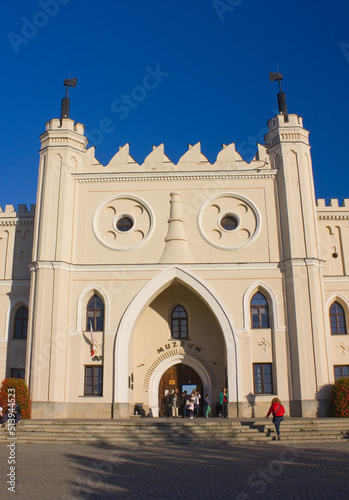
229	222
124	224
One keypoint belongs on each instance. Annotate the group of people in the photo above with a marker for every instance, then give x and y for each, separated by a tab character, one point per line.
184	404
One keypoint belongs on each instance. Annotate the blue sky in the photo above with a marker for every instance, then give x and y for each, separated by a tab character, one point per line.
212	59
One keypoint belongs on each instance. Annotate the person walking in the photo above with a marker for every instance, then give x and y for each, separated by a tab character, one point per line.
278	411
223	401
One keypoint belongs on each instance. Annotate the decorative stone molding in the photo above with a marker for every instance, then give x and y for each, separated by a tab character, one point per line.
343	348
333	217
15	222
133	178
135	210
175	352
223	205
263	344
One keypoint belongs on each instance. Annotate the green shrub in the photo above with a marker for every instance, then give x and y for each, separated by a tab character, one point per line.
340	398
21	395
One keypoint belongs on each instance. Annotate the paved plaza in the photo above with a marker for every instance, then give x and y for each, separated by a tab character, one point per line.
239	472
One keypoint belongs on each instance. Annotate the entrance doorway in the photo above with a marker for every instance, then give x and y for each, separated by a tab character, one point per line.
181	377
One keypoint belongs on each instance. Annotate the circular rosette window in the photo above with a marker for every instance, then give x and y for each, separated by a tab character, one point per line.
228	221
124	222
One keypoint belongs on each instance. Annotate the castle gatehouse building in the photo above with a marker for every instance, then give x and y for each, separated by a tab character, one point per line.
128	280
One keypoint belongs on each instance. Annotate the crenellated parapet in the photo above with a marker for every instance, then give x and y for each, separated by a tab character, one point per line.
16	241
334	210
12	217
192	160
333	219
62	135
68	134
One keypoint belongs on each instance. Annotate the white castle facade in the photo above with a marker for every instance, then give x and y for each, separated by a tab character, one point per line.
128	280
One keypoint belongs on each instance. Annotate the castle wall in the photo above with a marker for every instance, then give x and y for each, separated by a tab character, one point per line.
177	249
16	242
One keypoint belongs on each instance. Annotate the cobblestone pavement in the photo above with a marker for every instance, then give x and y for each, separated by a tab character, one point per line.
239	472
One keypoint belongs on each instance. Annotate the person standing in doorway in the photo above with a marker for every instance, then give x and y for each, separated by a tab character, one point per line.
207	406
184	404
168	404
191	405
223	401
197	397
278	412
175	403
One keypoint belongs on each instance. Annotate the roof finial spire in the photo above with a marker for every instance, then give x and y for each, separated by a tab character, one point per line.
176	249
281	95
69	82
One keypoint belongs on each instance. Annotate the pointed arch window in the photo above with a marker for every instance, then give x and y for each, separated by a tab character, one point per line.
337	319
21	323
179	323
259	311
95	314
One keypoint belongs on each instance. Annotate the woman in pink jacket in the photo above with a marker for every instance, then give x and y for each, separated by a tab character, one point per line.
278	412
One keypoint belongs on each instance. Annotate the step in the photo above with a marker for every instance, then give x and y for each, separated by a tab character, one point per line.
177	431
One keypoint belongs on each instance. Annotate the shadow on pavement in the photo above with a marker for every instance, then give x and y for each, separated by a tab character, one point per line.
201	472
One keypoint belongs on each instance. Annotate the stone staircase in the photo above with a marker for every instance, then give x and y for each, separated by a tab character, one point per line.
136	431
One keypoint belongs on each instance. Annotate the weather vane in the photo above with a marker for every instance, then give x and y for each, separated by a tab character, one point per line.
281	95
69	82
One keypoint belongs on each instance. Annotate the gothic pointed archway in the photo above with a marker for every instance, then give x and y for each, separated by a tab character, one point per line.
134	311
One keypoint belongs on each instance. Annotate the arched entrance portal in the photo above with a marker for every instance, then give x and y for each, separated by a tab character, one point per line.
181	377
143	350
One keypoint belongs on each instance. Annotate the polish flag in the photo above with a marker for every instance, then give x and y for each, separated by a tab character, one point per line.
92	341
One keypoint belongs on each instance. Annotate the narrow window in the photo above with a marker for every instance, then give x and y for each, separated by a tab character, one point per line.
21	323
179	323
262	376
259	311
93	381
341	371
95	314
337	319
17	373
